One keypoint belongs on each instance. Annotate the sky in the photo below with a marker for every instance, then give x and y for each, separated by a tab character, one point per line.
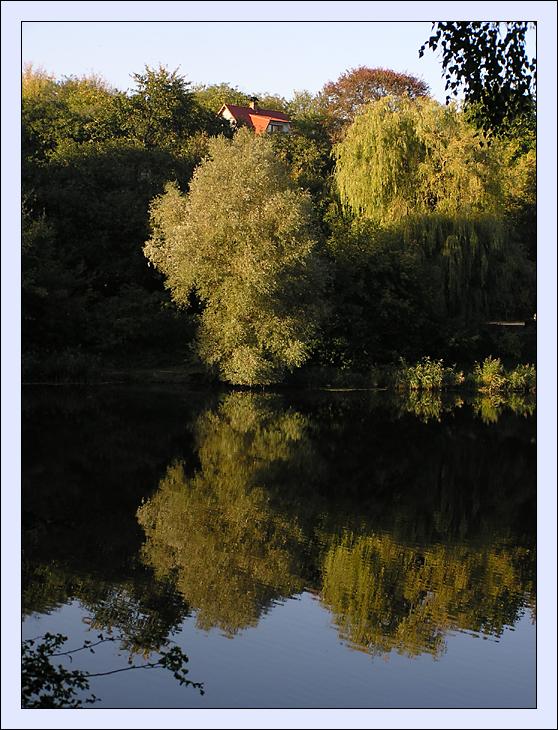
257	57
300	48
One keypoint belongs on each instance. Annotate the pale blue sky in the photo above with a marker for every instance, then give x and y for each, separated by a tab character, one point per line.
277	57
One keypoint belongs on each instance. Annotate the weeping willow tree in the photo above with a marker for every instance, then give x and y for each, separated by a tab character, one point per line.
420	169
242	240
405	157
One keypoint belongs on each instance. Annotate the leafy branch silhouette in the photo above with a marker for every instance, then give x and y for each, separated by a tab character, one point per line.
47	685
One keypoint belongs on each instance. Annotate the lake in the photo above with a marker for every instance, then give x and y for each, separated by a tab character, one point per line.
303	548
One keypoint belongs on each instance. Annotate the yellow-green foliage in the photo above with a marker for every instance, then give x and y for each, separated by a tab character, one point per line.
216	530
390	597
428	374
404	157
469	251
490	376
74	109
489	407
36	81
519	160
242	239
418	169
226	531
522	377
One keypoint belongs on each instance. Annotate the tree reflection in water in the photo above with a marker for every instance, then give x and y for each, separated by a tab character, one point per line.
408	520
282	499
233	553
386	596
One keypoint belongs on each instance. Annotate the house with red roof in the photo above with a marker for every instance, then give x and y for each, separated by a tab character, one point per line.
253	116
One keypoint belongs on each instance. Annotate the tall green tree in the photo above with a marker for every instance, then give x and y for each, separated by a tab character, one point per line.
385	300
93	159
243	240
307	154
162	111
99	292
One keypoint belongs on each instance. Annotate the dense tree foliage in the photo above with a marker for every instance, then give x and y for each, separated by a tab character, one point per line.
342	100
93	159
520	194
488	62
404	158
246	247
379	228
306	152
163	112
387	297
76	109
377	590
226	537
416	169
424	232
213	96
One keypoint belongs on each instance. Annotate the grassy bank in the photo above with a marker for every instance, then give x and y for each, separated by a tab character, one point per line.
427	375
488	376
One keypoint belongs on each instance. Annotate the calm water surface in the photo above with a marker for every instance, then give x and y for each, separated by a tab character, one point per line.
304	549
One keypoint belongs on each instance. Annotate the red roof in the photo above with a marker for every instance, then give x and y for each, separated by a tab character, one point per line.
258	122
258	118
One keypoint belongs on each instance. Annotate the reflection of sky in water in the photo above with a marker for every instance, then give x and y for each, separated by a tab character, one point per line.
294	658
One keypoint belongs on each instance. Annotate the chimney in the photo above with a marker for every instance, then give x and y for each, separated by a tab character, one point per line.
254	102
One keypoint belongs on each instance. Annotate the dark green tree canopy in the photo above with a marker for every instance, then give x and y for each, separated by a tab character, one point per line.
408	171
489	63
163	111
75	108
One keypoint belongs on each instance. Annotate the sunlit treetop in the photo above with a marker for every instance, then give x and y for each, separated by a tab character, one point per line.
404	157
341	100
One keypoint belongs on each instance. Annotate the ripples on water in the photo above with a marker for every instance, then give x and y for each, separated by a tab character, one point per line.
408	521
